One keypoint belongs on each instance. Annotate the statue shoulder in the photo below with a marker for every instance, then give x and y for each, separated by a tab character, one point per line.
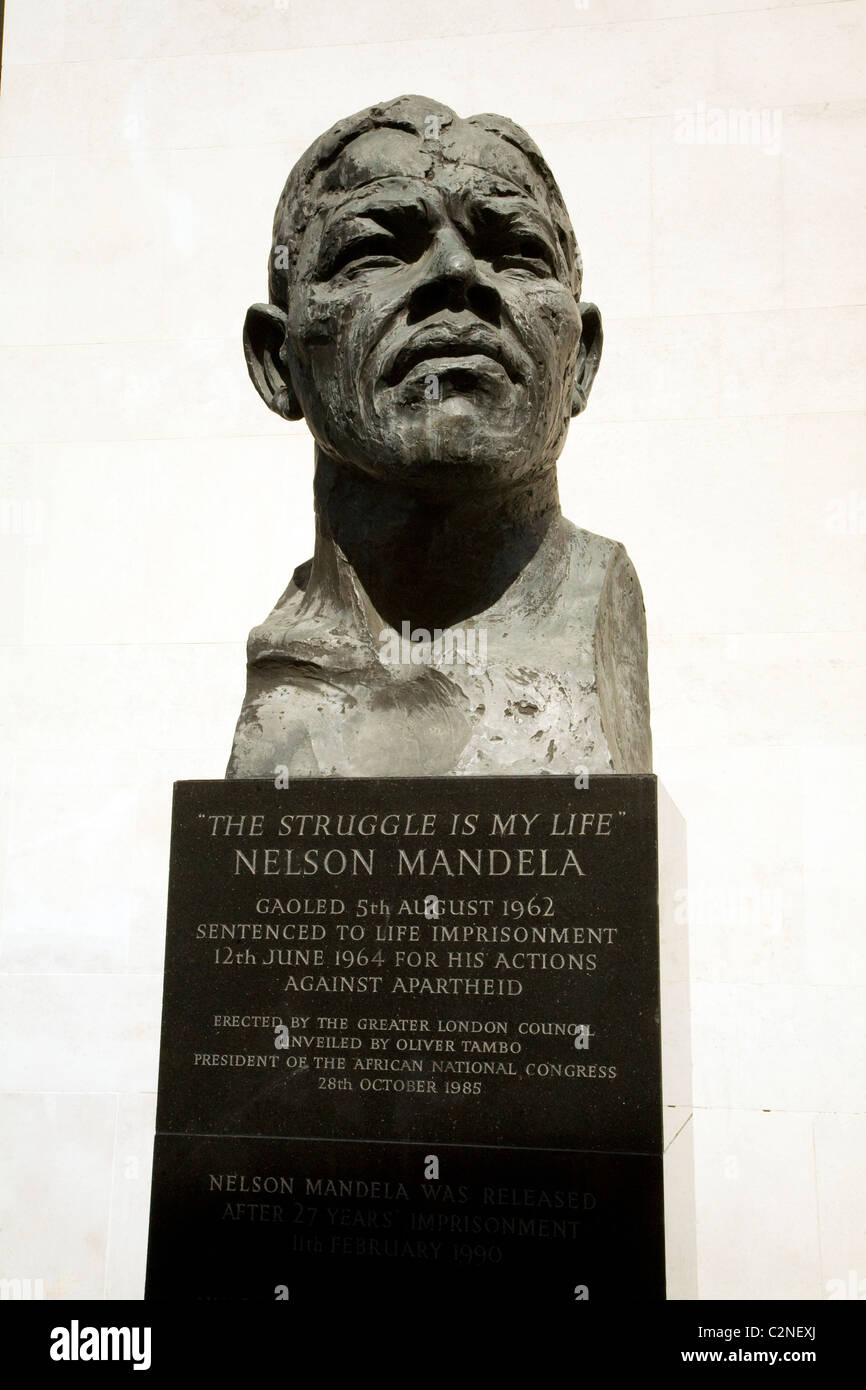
303	631
596	552
275	636
619	645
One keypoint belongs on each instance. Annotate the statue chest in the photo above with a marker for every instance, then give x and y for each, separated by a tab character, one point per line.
462	718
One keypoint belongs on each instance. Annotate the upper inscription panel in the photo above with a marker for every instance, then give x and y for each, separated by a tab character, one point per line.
470	961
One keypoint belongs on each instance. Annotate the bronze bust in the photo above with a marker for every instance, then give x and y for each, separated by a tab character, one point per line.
425	320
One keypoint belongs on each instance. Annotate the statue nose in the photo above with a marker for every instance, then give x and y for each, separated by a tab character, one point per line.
451	279
452	258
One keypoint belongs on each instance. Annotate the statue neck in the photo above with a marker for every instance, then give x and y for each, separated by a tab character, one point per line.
427	560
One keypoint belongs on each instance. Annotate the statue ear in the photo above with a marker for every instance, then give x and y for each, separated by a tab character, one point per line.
588	356
264	336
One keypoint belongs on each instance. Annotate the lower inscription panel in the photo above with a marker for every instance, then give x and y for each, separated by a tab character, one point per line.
273	1219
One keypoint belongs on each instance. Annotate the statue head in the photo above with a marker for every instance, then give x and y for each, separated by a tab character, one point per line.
425	315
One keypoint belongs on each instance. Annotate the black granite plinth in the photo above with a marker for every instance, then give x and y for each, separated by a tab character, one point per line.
411	1042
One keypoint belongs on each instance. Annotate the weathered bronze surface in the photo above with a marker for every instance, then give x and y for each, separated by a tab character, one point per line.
425	320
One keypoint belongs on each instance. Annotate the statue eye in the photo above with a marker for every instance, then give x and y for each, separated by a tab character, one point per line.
518	252
366	254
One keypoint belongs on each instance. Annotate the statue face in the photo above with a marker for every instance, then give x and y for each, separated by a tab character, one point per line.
432	332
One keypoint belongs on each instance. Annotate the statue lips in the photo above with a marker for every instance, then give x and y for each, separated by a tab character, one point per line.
466	345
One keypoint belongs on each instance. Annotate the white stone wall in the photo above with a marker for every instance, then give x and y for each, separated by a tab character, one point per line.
152	511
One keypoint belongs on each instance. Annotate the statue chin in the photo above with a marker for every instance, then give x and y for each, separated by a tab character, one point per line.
459	445
447	471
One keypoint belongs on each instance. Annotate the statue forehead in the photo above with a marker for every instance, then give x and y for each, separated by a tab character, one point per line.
463	155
